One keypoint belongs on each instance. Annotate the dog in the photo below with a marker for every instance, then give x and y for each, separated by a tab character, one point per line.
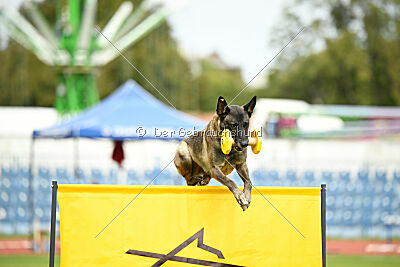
199	157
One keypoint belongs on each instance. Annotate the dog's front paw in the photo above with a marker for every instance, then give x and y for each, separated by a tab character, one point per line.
242	200
247	194
245	207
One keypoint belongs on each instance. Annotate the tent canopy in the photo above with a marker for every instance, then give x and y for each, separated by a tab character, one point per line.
128	113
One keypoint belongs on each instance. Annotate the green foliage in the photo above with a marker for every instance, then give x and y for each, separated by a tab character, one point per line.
214	82
158	59
359	65
24	80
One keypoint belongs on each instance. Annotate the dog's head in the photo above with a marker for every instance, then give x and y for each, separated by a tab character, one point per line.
236	119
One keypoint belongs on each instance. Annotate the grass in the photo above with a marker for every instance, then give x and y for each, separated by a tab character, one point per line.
363	260
333	261
26	260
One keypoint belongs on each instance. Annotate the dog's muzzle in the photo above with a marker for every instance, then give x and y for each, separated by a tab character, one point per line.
237	148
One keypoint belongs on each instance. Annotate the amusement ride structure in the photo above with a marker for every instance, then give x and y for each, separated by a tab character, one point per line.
75	45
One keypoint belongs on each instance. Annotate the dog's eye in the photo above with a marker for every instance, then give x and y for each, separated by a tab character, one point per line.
234	124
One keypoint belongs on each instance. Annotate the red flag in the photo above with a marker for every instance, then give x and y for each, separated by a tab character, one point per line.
118	152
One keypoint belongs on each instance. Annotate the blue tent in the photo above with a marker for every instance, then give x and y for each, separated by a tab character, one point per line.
129	113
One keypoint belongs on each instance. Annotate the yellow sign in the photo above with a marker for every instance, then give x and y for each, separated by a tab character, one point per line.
188	226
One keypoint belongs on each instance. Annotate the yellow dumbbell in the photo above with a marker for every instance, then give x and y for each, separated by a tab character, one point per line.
255	141
226	141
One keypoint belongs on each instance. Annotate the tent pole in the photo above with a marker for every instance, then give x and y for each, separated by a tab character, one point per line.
76	161
31	197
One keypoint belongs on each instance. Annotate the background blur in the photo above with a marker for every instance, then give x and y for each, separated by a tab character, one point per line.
328	106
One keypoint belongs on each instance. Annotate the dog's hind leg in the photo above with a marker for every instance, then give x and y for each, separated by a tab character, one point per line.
205	180
198	177
188	168
183	161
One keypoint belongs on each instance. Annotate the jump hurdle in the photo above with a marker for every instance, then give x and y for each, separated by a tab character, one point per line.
178	226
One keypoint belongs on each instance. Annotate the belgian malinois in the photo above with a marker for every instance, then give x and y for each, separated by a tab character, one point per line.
199	157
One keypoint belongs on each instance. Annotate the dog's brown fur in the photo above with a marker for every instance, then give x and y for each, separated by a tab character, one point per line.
199	157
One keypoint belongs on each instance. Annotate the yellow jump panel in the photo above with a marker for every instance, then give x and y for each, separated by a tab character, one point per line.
159	221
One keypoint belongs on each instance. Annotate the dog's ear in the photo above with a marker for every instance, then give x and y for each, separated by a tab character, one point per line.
249	107
222	107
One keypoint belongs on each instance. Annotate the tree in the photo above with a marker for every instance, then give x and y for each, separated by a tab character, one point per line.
359	62
216	79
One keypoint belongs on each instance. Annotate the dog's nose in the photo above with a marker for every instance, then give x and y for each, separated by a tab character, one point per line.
244	143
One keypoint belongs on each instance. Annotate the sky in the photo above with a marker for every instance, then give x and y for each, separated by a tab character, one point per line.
239	31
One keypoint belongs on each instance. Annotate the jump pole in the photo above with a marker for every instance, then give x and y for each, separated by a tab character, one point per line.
53	222
323	223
